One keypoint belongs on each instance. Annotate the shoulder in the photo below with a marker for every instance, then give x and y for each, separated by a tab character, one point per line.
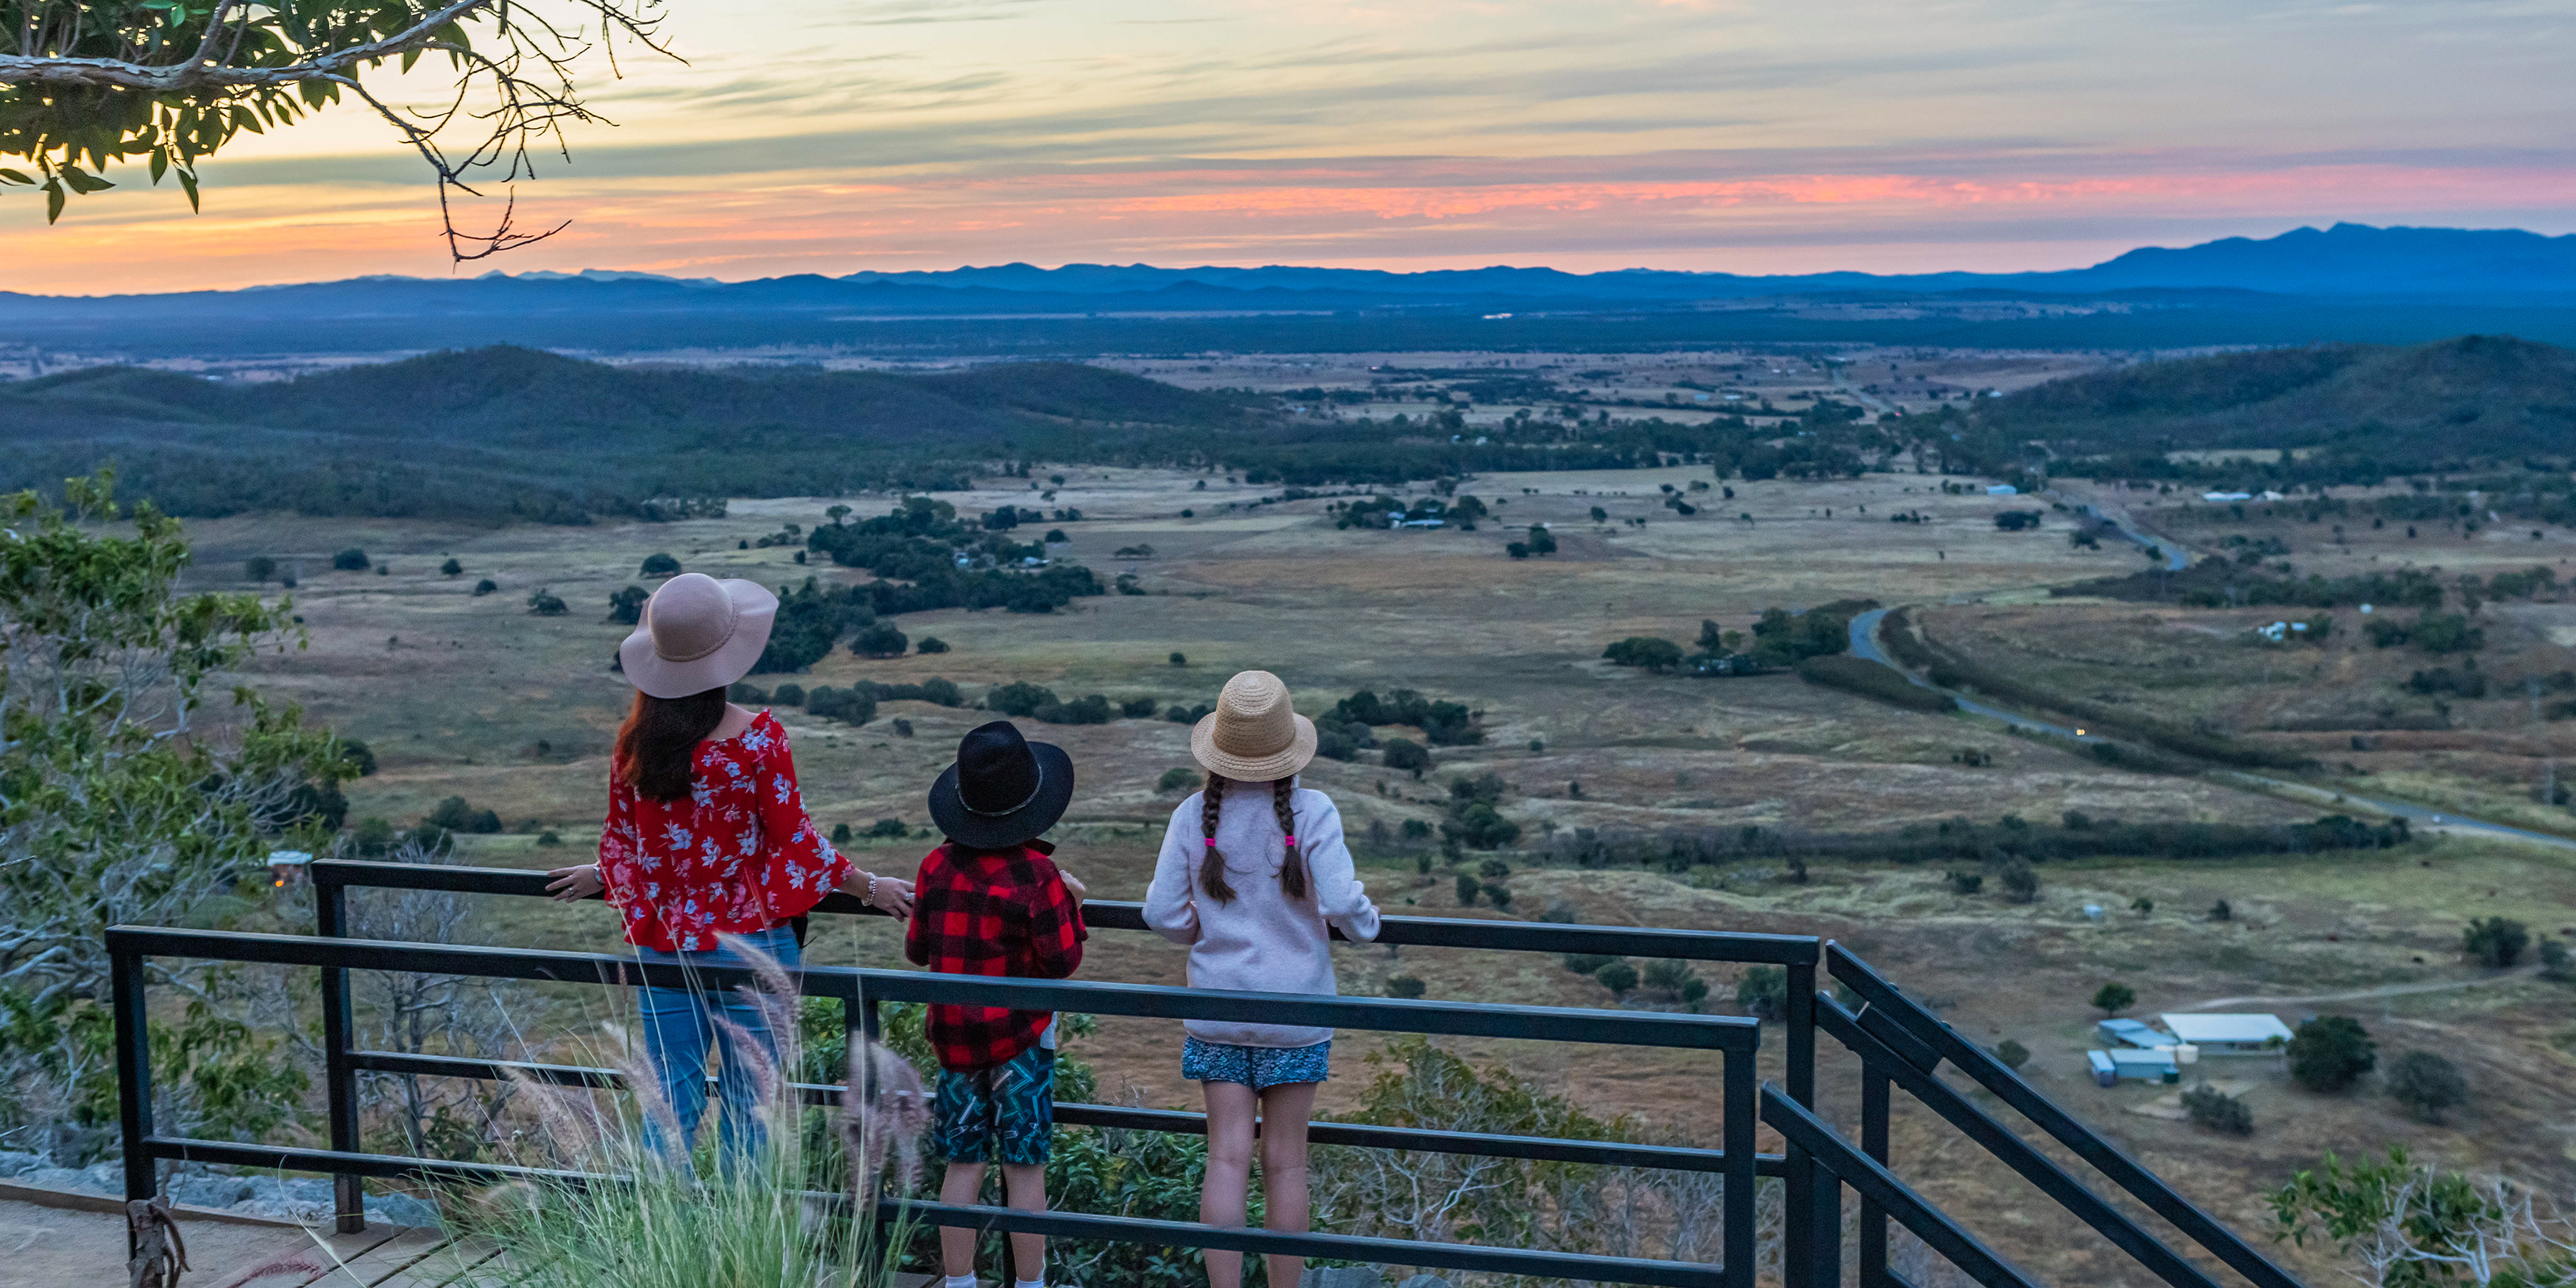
1308	801
1188	810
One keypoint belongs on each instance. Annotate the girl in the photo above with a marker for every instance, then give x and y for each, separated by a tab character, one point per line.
707	836
1252	877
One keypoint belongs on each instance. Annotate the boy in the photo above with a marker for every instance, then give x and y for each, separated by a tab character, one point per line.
990	902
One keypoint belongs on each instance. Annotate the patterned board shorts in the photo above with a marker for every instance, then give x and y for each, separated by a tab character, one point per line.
1015	1101
1259	1068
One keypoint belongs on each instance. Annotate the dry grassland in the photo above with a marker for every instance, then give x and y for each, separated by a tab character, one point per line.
476	697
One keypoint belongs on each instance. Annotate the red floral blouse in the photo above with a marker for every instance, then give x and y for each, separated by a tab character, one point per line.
736	855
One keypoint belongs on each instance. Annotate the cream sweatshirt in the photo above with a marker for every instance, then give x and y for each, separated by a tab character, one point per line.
1260	941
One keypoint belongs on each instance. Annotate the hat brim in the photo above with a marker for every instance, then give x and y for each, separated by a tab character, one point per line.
1285	763
995	831
755	612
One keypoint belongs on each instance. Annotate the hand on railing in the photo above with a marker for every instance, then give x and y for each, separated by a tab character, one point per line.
578	882
887	894
1074	886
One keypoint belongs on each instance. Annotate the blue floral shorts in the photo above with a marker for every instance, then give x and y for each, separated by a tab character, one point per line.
1259	1068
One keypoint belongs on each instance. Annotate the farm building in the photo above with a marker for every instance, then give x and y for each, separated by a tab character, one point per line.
2132	1033
2252	1034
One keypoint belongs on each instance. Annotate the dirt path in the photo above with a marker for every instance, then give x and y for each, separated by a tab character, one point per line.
2384	990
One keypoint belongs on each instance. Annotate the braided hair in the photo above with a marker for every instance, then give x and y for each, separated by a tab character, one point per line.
1292	870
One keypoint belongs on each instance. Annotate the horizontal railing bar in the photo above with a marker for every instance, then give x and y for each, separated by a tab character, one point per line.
296	1158
1455	1256
1734	1034
1875	1182
1104	914
2016	1153
1551	1149
1338	1247
2105	1157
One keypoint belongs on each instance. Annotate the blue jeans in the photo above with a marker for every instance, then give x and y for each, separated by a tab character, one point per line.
679	1024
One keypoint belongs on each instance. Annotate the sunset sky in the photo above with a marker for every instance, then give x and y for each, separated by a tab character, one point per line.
1760	137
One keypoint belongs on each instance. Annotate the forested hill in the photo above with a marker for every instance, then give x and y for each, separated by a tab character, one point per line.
2449	403
505	433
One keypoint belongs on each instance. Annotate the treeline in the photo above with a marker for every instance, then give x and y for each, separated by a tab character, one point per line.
925	558
2007	840
1952	669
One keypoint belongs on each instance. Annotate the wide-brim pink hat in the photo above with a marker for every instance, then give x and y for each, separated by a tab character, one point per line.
1253	736
697	634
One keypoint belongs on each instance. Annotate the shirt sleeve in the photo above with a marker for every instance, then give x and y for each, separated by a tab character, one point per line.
1338	892
617	840
1171	907
801	867
1055	929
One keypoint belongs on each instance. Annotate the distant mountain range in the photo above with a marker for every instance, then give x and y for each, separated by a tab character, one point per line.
2348	282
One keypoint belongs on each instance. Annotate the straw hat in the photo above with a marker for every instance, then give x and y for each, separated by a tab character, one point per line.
698	634
1253	736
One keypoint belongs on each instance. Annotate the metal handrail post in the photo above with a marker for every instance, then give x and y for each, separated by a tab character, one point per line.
1799	1211
133	1080
1873	1142
339	1077
1737	1203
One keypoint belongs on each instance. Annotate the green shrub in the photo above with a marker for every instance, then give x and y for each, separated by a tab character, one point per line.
1018	698
879	639
840	834
2216	1110
661	565
350	560
2113	998
930	644
451	568
888	829
1619	977
1091	709
1965	882
855	705
2013	1054
1588	963
1405	986
2021	885
1406	754
548	839
788	695
2331	1053
485	587
1763	992
2426	1084
2553	959
2495	942
1645	651
545	603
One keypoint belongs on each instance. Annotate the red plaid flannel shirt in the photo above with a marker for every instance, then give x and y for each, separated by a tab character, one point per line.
992	912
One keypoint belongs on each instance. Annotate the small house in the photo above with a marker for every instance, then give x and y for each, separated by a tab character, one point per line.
2249	1034
2105	1073
2003	489
2129	1033
2150	1066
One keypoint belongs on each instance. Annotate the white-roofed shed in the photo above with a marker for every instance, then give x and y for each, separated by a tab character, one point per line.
2241	1034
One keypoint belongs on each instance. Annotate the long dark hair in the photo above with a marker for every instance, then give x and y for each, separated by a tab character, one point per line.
657	747
1292	869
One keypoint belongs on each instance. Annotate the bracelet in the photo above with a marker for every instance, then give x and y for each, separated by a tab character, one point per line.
871	896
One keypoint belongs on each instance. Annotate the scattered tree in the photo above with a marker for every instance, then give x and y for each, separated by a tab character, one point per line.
2219	911
2331	1053
840	834
2495	942
2013	1054
888	829
1619	977
350	560
485	587
2412	1226
1179	658
2216	1110
545	603
1468	886
934	644
661	565
2113	998
1645	651
451	568
2426	1084
1406	754
1965	883
1407	987
2020	883
626	606
1763	992
880	639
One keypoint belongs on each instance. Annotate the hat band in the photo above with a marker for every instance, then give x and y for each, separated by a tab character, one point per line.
1031	799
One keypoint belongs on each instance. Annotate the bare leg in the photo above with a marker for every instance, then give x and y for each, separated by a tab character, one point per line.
1024	1187
1285	1111
1229	1173
963	1184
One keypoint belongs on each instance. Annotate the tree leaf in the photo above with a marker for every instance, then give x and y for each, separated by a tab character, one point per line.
188	181
15	176
53	200
83	182
160	165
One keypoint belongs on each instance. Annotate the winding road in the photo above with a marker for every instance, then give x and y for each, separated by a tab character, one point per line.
1864	645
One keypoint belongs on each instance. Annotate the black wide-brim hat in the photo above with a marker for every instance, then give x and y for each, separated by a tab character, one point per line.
1003	790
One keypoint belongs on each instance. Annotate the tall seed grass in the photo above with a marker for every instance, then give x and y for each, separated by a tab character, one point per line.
753	1220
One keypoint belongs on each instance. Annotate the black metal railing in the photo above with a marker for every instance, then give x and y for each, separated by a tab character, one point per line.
1898	1043
1735	1039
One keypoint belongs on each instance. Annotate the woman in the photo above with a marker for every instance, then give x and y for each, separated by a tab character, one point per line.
1253	877
707	836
